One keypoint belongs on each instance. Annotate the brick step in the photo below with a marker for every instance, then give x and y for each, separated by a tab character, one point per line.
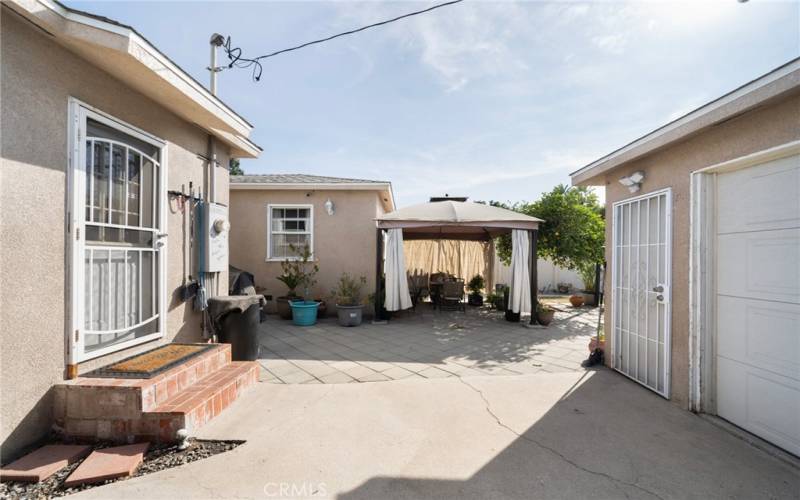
102	397
200	402
186	396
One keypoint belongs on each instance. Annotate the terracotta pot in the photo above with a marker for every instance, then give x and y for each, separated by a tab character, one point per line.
545	318
594	345
576	300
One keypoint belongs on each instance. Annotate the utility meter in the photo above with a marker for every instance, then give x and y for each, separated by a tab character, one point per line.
217	228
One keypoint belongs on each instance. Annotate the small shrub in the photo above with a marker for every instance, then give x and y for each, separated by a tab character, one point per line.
587	273
476	284
299	272
348	290
543	308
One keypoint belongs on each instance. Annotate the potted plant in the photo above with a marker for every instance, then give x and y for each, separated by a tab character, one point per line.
348	299
501	298
475	286
304	312
544	314
587	272
291	279
576	300
595	344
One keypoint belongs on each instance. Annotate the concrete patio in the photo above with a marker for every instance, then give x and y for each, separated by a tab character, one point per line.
424	344
562	435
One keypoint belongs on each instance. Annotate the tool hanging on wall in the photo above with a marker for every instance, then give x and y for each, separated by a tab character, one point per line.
200	299
189	286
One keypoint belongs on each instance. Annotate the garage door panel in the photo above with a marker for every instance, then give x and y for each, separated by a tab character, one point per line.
758	300
760	402
765	335
764	265
766	197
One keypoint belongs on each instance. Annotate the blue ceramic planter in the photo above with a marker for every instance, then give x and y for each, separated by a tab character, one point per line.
304	312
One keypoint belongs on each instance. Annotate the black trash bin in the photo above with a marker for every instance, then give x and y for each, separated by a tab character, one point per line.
236	319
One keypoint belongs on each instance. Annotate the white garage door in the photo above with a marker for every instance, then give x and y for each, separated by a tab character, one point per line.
758	300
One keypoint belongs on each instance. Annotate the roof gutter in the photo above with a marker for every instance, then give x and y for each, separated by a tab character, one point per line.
328	186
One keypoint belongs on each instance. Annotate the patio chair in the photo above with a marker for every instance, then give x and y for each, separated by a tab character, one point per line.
415	290
452	296
436	281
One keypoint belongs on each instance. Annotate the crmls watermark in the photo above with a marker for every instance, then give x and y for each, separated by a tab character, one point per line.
295	490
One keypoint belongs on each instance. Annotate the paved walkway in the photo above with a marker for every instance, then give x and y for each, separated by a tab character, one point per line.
426	344
565	435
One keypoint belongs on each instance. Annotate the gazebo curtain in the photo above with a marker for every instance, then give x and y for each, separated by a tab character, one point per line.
397	296
520	289
463	259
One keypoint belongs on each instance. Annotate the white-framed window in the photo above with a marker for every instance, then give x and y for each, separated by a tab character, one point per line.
287	226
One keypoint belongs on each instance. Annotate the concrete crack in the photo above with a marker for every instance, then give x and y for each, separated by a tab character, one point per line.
564	458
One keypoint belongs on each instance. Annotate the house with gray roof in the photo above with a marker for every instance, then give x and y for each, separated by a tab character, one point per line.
334	216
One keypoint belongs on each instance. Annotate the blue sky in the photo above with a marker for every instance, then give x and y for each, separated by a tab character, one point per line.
491	100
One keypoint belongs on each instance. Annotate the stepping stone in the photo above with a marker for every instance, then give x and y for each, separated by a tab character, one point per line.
43	463
108	463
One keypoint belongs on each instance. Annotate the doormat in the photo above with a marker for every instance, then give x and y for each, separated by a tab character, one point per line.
151	363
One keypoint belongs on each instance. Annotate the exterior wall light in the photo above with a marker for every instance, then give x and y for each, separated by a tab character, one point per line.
633	182
329	207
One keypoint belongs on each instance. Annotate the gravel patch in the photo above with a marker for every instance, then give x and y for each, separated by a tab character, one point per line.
159	457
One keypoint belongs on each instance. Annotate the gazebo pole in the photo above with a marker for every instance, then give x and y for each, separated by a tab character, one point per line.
378	272
534	260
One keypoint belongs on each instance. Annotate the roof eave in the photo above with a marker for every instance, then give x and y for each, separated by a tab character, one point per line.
772	85
150	71
299	186
384	188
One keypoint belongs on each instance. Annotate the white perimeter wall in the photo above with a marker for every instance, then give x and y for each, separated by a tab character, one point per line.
549	275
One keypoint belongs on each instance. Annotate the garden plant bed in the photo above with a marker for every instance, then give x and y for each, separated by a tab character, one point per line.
158	457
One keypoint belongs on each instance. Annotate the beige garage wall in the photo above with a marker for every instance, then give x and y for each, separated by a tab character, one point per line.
38	76
343	242
763	128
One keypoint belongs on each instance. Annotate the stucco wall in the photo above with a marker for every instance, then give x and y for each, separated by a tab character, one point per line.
37	78
762	128
343	242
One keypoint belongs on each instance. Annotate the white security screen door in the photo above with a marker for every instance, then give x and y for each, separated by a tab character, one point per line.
118	245
641	289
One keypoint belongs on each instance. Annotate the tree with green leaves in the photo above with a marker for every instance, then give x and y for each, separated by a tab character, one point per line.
573	232
234	168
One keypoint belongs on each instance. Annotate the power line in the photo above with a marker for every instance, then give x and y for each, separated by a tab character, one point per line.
235	54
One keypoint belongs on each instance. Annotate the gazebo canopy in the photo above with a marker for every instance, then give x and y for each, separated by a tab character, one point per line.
455	220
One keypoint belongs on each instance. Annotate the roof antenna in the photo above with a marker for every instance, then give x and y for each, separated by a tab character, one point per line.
216	41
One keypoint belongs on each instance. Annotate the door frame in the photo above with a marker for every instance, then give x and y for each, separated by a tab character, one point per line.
668	270
702	274
78	111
